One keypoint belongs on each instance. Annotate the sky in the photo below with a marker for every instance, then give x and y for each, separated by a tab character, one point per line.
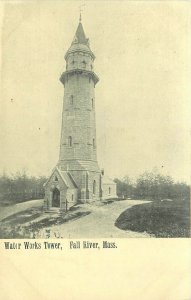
143	60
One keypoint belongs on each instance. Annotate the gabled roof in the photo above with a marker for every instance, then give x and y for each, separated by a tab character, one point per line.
70	183
107	180
65	176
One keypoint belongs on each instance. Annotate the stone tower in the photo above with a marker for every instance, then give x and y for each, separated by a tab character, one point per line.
77	176
78	150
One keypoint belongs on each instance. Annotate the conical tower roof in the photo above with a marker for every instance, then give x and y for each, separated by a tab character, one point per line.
80	36
80	42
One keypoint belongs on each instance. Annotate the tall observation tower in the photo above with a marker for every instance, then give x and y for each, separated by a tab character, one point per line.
77	176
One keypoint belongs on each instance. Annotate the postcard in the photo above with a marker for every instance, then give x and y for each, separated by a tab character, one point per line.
95	150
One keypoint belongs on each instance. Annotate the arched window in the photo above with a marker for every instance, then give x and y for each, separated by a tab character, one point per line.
94	187
71	100
83	64
109	190
92	102
93	143
73	64
56	178
70	141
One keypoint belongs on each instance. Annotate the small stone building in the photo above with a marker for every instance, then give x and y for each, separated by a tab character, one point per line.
77	176
108	188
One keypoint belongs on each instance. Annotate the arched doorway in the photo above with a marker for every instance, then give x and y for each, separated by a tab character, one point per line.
56	198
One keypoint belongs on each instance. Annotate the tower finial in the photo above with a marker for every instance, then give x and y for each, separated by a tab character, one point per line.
80	9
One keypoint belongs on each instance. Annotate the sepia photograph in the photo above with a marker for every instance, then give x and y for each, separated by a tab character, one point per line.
95	120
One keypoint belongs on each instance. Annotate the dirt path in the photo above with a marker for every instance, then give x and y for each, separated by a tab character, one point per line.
100	223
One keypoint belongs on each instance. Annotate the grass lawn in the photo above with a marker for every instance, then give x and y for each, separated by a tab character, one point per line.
23	216
27	223
160	218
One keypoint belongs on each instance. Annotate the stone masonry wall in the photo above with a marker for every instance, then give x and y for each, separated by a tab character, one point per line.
78	120
65	193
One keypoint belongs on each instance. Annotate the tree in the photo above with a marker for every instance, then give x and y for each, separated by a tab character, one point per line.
20	187
155	186
124	187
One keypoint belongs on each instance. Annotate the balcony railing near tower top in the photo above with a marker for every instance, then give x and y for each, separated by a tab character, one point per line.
91	74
